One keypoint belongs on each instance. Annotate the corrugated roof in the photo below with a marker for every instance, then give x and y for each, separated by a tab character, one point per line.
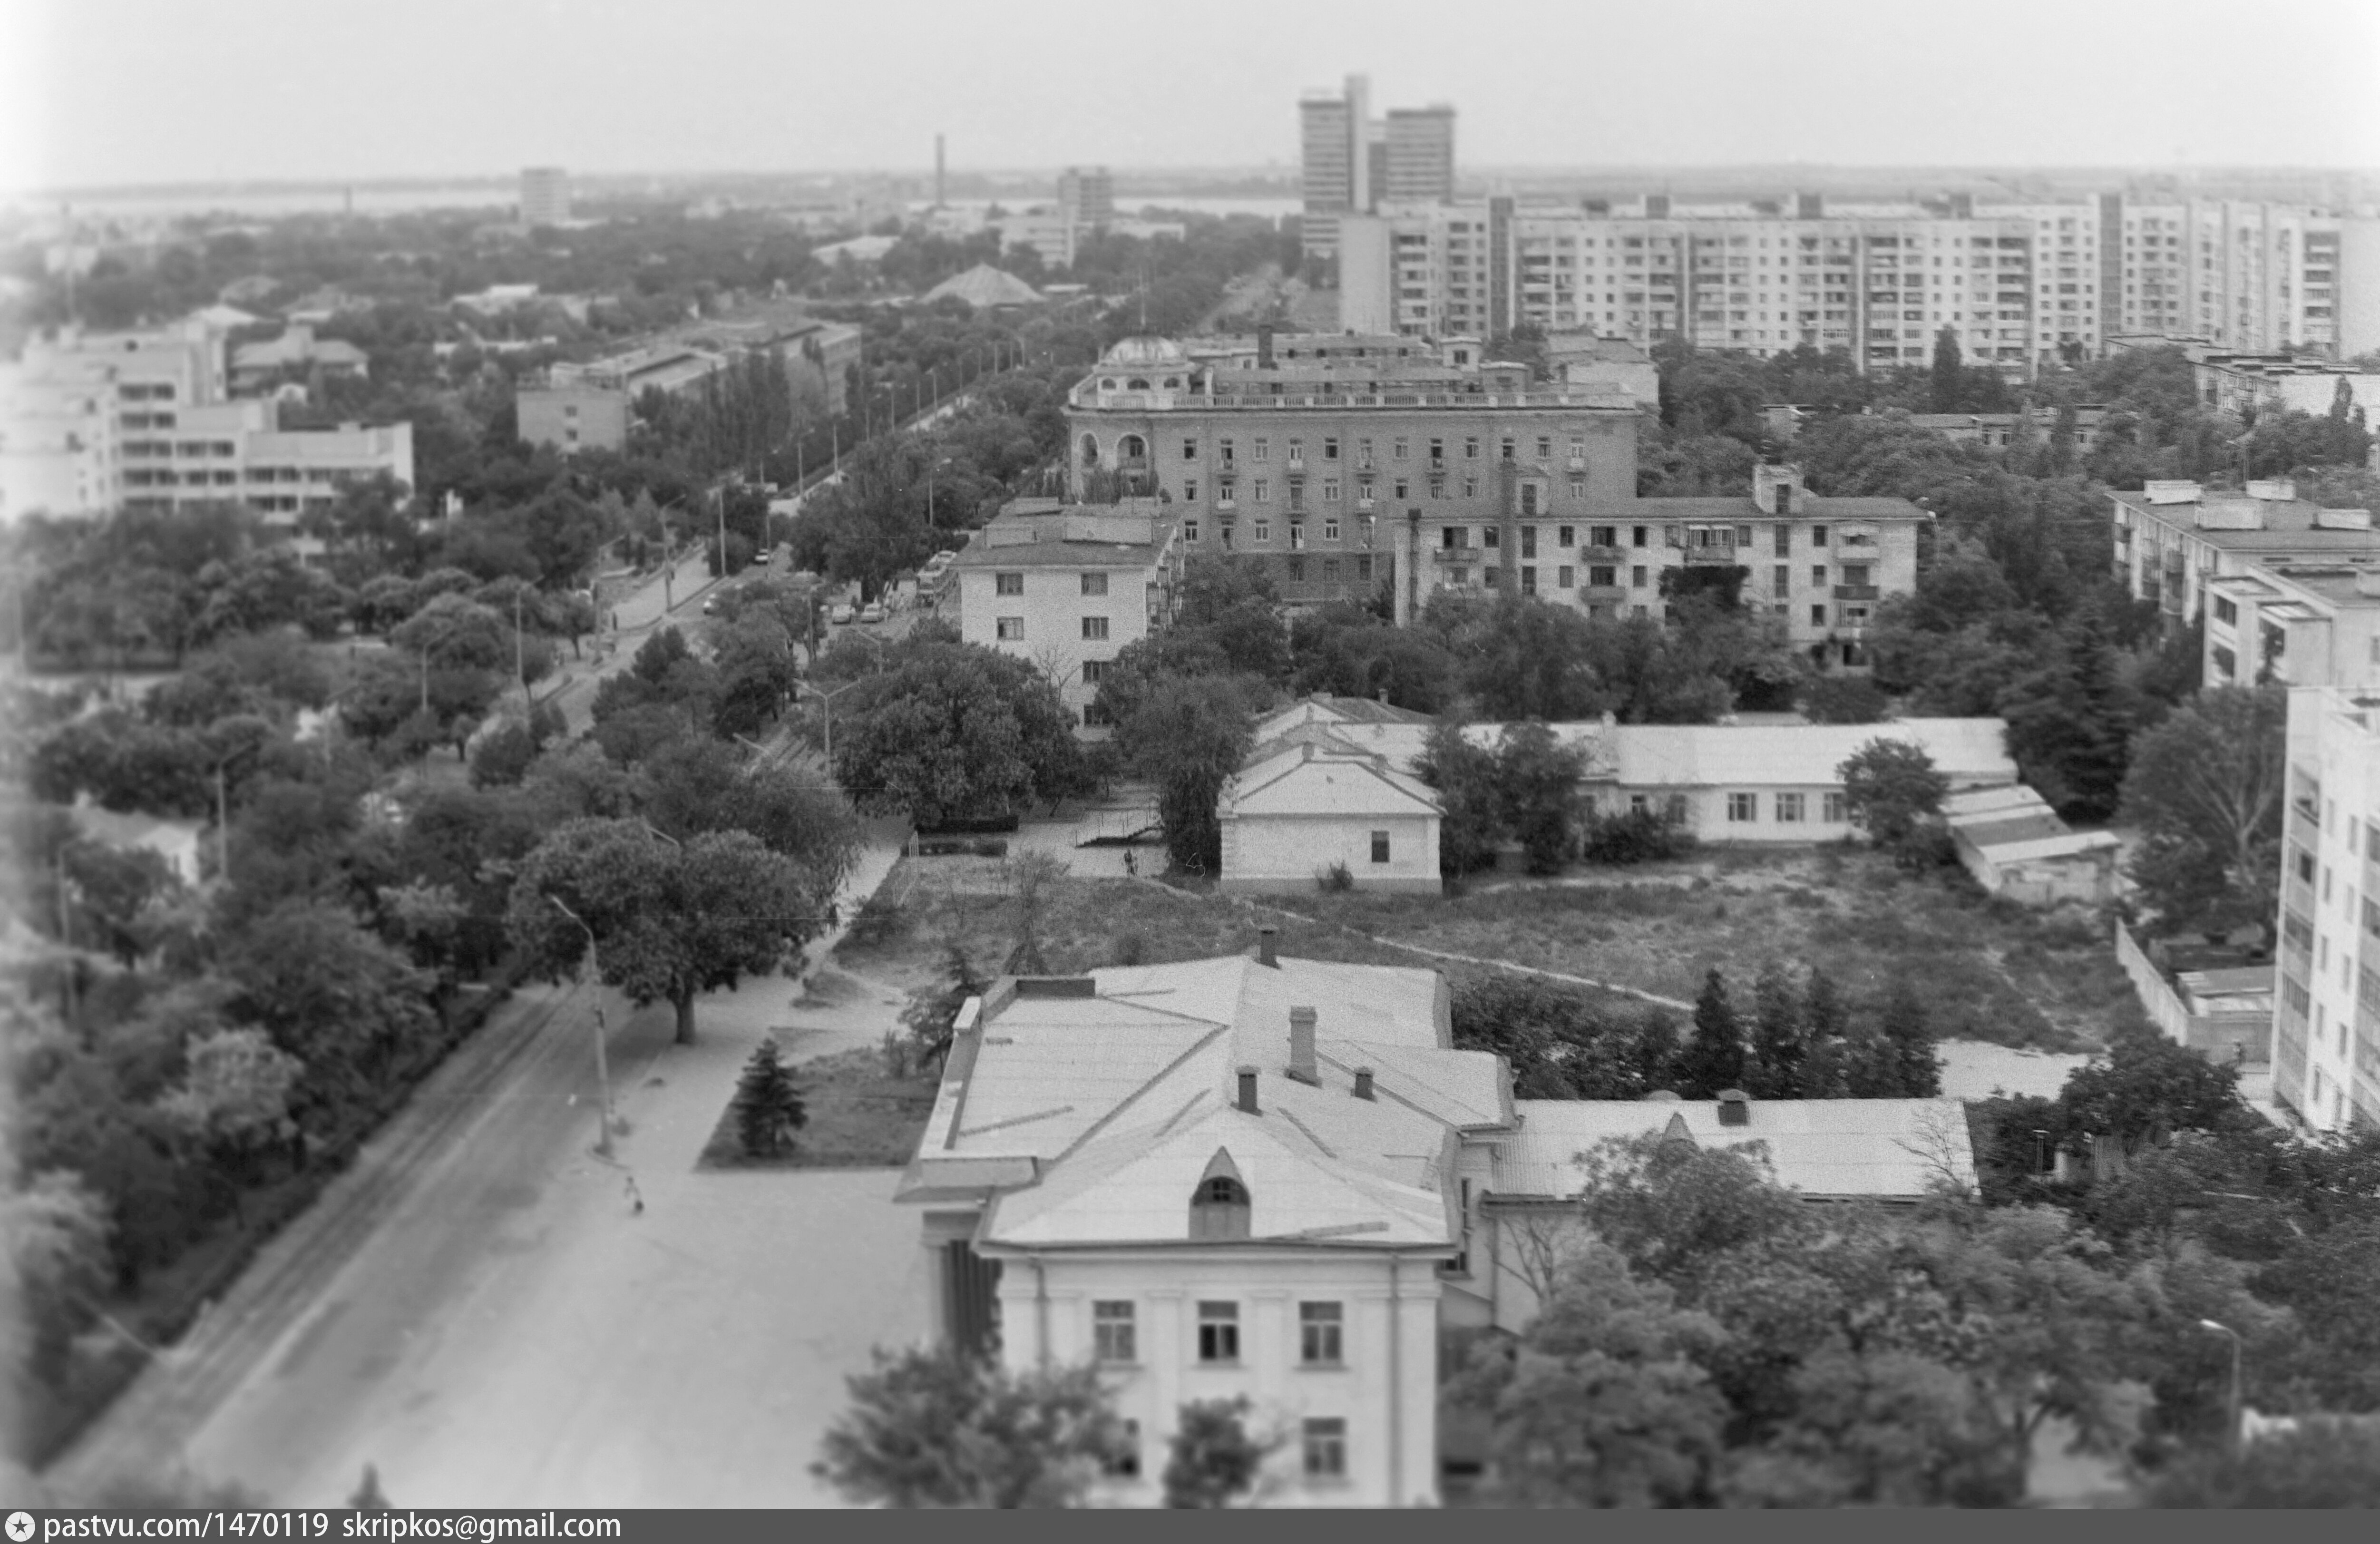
1889	1149
1965	750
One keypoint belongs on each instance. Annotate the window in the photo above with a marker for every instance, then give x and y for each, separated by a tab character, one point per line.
1112	1332
1326	1448
1219	1331
1640	536
1093	671
2227	612
1819	575
1565	576
1297	533
1264	449
1817	616
1189	530
1329	490
1566	536
1545	447
1010	628
1190	450
1095	630
1818	535
1008	584
1471	448
1399	449
1331	528
1742	808
1095	584
1298	570
1264	530
1636	576
1264	491
1189	490
1835	809
1331	447
1223	448
1790	808
1528	540
1319	1323
1784	540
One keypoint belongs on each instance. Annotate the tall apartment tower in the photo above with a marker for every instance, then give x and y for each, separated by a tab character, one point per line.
1086	195
1420	160
545	196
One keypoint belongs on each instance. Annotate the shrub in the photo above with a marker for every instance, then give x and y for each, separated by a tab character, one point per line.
1336	880
1634	837
768	1107
1132	947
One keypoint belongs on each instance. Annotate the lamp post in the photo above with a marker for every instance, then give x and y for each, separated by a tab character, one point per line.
2232	1404
223	813
602	1065
826	699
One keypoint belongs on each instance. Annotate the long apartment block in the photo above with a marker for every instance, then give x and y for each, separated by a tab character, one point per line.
2018	286
1345	463
2327	1020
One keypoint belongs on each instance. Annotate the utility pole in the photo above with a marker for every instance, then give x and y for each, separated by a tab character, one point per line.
520	653
720	495
826	700
66	934
2237	1436
602	1065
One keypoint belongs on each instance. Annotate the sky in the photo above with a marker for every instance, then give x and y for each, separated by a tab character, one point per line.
115	92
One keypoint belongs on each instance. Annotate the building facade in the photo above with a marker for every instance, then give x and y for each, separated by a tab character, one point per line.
2173	538
92	423
2327	1022
1067	589
1086	195
2018	286
590	404
2301	623
1308	805
1352	163
544	197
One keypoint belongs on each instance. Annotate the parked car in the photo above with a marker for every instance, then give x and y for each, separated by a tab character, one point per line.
946	557
872	613
842	614
760	558
711	605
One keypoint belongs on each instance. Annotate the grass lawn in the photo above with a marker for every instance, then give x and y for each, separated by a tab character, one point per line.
1988	970
858	1118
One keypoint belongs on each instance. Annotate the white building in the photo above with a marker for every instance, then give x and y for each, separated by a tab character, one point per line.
2173	539
544	197
1234	1176
2304	624
1308	802
2326	1025
1066	587
2014	845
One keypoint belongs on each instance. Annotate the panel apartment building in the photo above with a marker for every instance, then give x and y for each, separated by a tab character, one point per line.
1352	163
91	422
1345	462
2018	286
2327	1020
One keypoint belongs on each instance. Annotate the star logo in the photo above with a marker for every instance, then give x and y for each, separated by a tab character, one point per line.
20	1527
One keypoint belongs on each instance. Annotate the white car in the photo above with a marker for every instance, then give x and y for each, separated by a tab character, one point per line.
872	613
842	614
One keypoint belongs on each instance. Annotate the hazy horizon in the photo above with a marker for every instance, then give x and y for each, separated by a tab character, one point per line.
147	93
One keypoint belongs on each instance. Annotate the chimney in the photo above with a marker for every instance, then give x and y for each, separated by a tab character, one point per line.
1248	1091
1362	1082
1734	1107
1268	946
1263	346
1300	1047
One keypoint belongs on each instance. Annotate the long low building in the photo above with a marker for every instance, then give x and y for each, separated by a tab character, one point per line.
2016	846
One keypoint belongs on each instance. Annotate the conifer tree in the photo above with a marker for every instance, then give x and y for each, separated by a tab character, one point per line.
1714	1055
1909	1042
1777	1038
768	1107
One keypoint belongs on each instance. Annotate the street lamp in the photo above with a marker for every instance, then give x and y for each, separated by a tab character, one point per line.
827	698
2232	1404
602	1067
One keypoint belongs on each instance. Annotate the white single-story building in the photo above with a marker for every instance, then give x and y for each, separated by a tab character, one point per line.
1308	802
2015	845
177	842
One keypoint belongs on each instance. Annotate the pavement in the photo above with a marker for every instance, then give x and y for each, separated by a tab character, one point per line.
480	1307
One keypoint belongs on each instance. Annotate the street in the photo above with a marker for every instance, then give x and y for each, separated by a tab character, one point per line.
476	1308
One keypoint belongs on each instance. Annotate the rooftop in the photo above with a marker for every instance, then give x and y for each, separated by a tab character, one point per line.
1885	1149
1132	534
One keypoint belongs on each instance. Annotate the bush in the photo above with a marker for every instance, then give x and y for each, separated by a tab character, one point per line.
1132	947
1844	700
1336	880
768	1107
1637	836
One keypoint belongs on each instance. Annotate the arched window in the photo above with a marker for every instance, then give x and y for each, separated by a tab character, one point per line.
1135	384
1132	447
1218	1209
1090	450
1173	383
1106	383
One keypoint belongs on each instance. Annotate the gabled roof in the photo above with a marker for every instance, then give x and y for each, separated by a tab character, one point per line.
1885	1149
1092	1111
1308	771
984	287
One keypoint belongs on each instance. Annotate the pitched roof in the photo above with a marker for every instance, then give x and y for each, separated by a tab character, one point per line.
2016	825
1309	771
984	287
1095	1114
1889	1148
1965	750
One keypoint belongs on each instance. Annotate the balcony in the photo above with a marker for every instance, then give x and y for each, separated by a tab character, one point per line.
1855	592
1590	553
1711	556
1363	502
1227	502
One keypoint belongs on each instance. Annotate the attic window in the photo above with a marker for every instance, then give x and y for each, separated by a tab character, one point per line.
1219	1209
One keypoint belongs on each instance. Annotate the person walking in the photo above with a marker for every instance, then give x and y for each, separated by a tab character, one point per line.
635	1198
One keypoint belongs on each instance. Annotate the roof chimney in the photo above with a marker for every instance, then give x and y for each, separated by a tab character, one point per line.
1267	943
1734	1107
1362	1082
1300	1047
1248	1091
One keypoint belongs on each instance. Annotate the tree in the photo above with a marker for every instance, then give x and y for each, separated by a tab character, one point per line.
943	1429
1845	699
341	1000
1949	376
956	732
1188	738
670	921
768	1107
2204	789
696	785
2067	722
1538	784
1774	1069
1471	826
1713	1059
1213	1458
56	1236
235	1095
1890	787
2147	1089
2324	1463
111	890
1908	1042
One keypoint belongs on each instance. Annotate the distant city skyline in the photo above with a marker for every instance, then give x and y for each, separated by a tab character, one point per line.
150	91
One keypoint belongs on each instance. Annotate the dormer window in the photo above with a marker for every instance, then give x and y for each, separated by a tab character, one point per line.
1219	1208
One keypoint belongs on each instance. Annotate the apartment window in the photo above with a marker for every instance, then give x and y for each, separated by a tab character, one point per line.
1189	530
1471	448
1742	808
1577	488
1298	570
1397	447
1505	448
1264	530
1818	535
1819	575
1297	533
1223	448
1010	628
1565	576
1329	490
1817	616
1263	449
1330	570
1528	540
1379	854
1470	487
1331	528
1331	447
1640	536
1095	584
1008	584
1219	1331
1783	578
1318	1324
1189	450
1112	1338
1437	450
1636	579
1566	536
1404	489
2227	612
1326	1448
1189	490
1093	671
1095	630
1790	808
1545	447
1264	491
1835	809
